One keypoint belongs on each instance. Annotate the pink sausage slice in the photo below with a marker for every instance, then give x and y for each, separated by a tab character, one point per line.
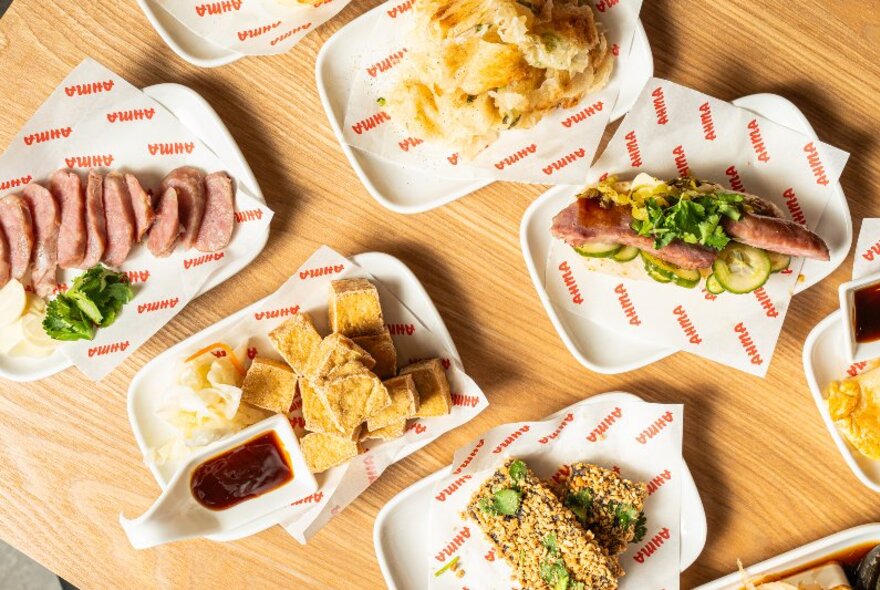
15	217
46	218
219	219
142	207
66	187
119	219
166	228
95	226
188	182
5	265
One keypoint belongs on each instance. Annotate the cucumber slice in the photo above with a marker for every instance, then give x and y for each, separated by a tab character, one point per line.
680	276
741	269
626	254
658	275
686	278
778	262
597	249
713	286
657	263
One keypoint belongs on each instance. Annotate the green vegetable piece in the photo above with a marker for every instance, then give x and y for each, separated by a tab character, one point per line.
641	528
550	543
381	101
507	501
446	567
580	503
517	471
65	321
94	299
625	515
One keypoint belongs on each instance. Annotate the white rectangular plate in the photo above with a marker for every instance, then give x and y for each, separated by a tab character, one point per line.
143	393
405	190
198	116
400	535
603	350
825	361
807	554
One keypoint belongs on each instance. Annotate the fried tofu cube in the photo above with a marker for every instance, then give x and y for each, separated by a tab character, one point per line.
333	353
433	387
381	347
355	309
295	340
270	385
315	412
323	451
352	397
404	403
393	430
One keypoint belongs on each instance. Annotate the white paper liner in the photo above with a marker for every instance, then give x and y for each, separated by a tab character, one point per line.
672	130
867	257
558	150
95	119
308	290
642	440
252	27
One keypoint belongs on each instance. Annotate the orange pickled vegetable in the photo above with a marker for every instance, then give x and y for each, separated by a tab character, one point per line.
225	348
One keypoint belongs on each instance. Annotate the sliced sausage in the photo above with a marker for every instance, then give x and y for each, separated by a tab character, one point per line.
46	219
5	265
118	218
219	218
142	207
189	184
66	187
15	217
95	225
166	228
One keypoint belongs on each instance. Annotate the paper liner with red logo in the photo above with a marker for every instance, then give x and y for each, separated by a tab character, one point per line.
255	27
867	257
558	150
641	441
674	130
95	119
308	290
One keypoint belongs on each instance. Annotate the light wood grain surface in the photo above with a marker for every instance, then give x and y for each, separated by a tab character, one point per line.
768	473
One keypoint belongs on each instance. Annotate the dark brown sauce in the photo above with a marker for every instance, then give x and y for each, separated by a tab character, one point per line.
256	467
848	558
866	303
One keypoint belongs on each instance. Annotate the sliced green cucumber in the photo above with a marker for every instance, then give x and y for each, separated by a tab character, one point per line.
686	278
597	249
658	275
741	269
778	262
657	263
680	276
713	286
626	254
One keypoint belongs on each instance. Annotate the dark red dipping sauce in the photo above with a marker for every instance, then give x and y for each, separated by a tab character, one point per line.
866	302
258	466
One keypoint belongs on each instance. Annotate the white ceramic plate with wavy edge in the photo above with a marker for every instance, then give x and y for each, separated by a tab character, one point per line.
408	190
402	550
183	41
197	115
601	349
825	361
388	270
804	555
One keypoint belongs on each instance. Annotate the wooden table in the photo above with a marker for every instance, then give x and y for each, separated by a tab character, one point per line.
768	473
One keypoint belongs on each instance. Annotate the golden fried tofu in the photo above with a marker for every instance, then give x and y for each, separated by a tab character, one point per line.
854	407
270	385
433	387
352	397
380	346
355	309
333	353
393	430
315	412
323	451
404	403
295	340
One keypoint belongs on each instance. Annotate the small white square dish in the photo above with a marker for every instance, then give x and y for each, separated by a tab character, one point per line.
855	297
405	190
825	360
606	351
811	554
199	117
400	533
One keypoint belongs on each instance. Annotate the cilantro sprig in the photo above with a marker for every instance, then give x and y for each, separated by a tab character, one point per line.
694	220
93	301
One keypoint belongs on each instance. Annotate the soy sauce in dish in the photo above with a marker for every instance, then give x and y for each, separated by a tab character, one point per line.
850	559
252	469
866	303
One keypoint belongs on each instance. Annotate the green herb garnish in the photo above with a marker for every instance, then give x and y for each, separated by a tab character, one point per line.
381	101
555	574
448	566
94	300
641	528
625	515
695	220
517	470
549	542
505	501
580	503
